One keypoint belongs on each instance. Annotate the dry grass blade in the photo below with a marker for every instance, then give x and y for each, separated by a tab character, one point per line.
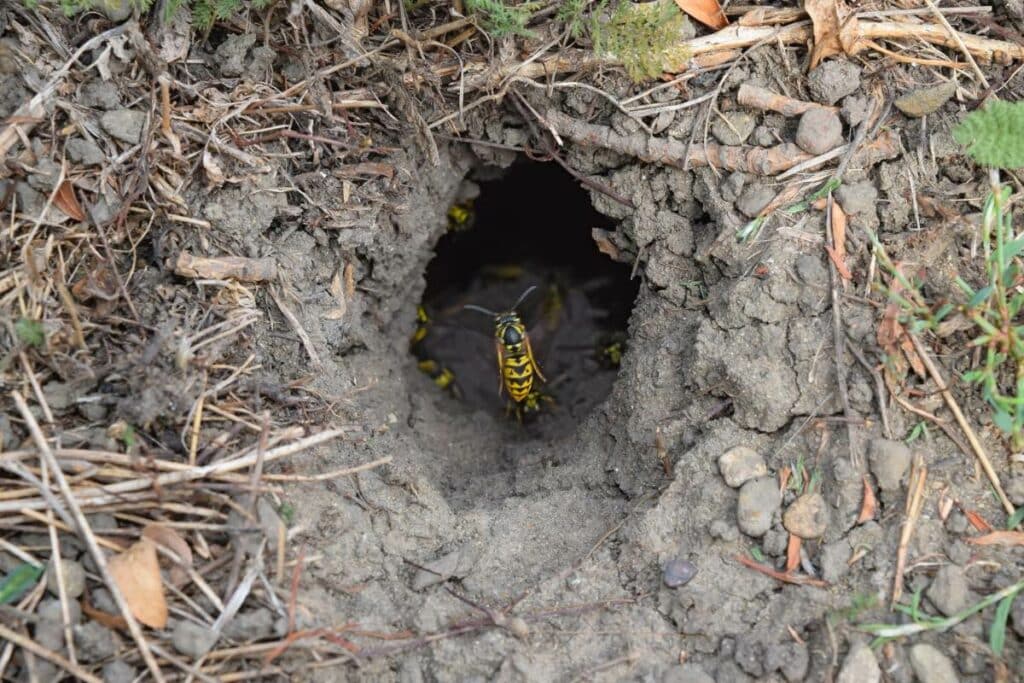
915	503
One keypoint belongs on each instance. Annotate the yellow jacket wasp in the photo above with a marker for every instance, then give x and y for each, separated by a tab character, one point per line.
516	363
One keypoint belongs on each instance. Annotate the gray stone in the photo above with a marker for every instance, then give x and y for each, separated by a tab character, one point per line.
50	609
948	591
834	558
758	502
740	464
924	101
720	528
254	624
733	127
819	131
116	10
855	109
833	80
678	572
118	671
124	124
100	94
860	666
94	411
7	437
807	517
59	396
231	53
103	600
733	185
74	578
1015	489
687	673
45	176
753	199
931	666
889	461
858	198
84	151
192	639
94	642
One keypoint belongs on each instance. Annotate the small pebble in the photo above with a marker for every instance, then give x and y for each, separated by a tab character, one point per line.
192	639
833	80
931	666
94	642
807	517
753	199
733	127
858	198
58	395
118	671
687	673
889	461
741	464
924	101
758	502
86	152
50	609
124	124
74	578
948	590
678	572
99	94
819	131
860	666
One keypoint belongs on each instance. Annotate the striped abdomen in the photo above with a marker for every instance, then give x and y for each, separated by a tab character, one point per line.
517	371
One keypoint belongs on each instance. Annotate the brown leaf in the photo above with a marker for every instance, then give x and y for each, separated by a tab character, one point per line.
171	540
137	574
66	201
604	245
798	579
869	504
337	291
104	618
835	29
999	538
840	264
707	12
977	521
793	553
237	267
839	238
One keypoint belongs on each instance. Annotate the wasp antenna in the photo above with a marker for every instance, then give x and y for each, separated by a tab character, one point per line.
479	309
522	297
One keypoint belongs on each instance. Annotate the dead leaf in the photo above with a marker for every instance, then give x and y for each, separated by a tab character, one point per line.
171	540
214	172
137	574
977	521
337	291
840	264
839	241
835	29
893	338
99	283
793	553
66	201
999	538
869	504
104	618
707	12
604	245
174	35
237	267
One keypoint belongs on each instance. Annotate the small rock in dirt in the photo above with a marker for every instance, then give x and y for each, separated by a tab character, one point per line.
758	503
192	639
956	523
834	557
7	437
50	609
860	666
260	62
118	671
833	80
926	101
100	94
855	109
949	592
858	198
819	131
231	53
753	199
733	127
723	530
791	659
807	517
85	152
733	185
740	464
775	541
750	655
455	564
687	673
811	270
1015	490
931	666
252	625
889	462
116	10
94	642
124	124
104	601
59	396
93	411
677	572
74	578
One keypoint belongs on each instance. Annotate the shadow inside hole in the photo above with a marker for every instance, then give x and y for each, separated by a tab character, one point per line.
530	227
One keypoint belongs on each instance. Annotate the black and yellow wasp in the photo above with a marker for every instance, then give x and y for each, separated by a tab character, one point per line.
516	363
442	376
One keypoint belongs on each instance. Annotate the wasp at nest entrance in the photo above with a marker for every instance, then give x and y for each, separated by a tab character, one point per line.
522	316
